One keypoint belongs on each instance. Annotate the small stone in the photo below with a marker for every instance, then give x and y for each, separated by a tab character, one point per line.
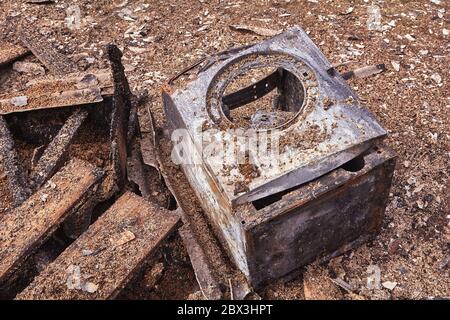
420	204
349	10
410	37
445	32
44	197
85	252
396	65
436	78
89	287
19	101
73	278
406	163
123	238
390	285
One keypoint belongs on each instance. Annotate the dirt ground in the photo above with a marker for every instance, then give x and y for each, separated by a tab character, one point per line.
410	99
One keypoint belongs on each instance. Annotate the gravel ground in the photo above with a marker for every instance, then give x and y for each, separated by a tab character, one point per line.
410	99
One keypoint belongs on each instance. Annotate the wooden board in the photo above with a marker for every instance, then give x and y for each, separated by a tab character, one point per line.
50	92
10	53
104	258
24	229
56	62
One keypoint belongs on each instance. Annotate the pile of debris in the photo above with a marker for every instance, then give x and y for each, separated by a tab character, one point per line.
101	183
95	182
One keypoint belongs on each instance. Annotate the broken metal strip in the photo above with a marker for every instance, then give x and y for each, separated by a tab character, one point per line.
120	117
53	155
210	61
364	72
121	240
46	53
24	229
203	273
10	164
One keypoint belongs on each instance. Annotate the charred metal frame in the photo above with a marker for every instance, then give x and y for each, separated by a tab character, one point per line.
310	206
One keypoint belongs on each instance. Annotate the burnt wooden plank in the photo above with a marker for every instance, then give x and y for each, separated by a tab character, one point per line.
120	116
10	52
29	100
54	154
56	62
47	93
104	258
24	229
10	165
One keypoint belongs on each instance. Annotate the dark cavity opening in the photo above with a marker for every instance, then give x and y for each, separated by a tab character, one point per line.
355	164
263	97
267	201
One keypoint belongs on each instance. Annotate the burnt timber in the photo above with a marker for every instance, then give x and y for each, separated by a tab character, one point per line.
9	163
24	229
118	243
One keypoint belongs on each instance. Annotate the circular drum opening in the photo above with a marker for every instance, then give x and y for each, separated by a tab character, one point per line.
262	97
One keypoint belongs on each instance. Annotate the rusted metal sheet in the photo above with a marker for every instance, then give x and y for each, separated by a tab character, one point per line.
11	52
24	229
54	154
120	116
205	277
211	258
11	166
56	62
100	263
310	138
334	213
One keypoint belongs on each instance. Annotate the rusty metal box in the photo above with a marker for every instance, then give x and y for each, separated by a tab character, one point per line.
286	180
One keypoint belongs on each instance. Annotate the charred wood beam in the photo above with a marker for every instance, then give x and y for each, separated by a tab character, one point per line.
56	62
54	154
120	117
24	229
57	92
10	164
11	52
111	252
29	100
